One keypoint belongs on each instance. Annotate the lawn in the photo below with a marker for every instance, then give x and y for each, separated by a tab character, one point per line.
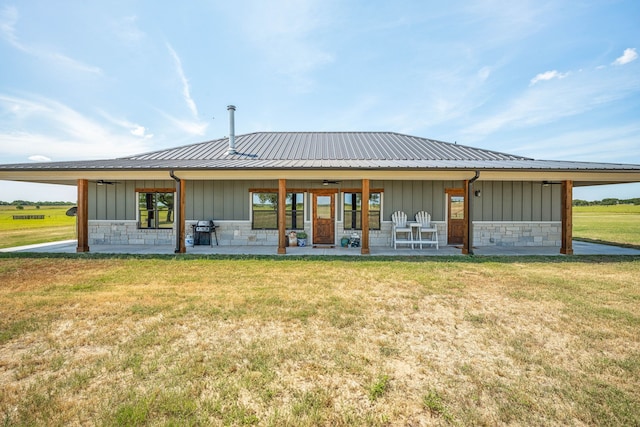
618	224
90	340
18	232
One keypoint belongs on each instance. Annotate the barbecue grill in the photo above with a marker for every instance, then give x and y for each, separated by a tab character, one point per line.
202	231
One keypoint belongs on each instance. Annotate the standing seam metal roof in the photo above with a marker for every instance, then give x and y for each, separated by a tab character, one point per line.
322	150
327	146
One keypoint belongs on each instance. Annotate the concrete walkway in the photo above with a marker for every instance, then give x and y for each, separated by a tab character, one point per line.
579	248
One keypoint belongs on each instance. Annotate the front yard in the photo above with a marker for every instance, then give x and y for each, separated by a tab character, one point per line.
156	341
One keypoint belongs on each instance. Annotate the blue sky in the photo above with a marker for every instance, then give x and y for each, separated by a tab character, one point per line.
546	79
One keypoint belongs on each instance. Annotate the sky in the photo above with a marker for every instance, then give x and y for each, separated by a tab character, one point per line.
556	80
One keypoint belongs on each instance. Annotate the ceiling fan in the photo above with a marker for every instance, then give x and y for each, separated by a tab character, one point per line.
327	182
105	182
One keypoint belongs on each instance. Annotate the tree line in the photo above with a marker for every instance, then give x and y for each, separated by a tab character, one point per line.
607	202
28	203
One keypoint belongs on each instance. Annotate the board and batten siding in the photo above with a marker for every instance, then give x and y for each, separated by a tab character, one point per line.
414	196
517	201
117	202
228	200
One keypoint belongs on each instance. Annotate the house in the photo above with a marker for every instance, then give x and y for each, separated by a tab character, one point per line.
258	186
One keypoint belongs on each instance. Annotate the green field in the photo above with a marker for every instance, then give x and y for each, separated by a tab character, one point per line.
617	224
18	232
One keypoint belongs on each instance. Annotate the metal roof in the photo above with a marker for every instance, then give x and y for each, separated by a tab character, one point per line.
323	150
315	146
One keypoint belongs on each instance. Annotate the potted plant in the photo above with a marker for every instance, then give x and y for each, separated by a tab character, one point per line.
302	238
292	239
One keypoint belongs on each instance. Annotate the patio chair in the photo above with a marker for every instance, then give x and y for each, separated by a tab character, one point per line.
402	234
424	219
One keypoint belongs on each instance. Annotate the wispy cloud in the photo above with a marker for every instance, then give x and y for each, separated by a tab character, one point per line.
8	19
548	75
603	144
126	29
186	91
48	128
629	55
192	127
540	104
134	128
286	32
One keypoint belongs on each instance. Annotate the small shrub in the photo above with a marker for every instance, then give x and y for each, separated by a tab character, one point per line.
20	207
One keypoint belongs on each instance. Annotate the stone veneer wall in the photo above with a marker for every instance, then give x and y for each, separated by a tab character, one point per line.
239	233
546	233
127	233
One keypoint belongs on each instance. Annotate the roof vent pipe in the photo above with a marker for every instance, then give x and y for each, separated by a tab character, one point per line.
232	130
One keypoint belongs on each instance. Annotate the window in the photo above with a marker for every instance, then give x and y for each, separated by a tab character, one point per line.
265	211
155	209
353	211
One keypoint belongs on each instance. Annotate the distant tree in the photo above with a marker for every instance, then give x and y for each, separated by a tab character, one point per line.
635	201
20	207
578	202
609	202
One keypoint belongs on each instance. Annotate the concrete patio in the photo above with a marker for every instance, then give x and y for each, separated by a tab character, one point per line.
580	248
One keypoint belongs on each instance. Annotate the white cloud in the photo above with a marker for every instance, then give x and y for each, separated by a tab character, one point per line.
39	158
629	55
484	73
134	128
8	20
541	104
186	91
140	131
59	132
548	75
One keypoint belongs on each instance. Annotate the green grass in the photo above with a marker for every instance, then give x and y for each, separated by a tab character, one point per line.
18	232
97	340
618	224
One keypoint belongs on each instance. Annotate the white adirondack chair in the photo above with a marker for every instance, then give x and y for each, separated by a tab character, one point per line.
402	234
424	219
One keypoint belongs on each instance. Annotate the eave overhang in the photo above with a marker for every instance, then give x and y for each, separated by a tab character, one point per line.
70	176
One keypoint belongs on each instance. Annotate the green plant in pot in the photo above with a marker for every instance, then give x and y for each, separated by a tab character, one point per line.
302	238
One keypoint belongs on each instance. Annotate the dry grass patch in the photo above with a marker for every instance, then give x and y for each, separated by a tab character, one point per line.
302	342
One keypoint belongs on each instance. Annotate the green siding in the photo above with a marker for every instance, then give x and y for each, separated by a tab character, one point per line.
516	201
229	200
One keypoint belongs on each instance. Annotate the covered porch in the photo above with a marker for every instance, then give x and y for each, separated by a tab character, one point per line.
333	224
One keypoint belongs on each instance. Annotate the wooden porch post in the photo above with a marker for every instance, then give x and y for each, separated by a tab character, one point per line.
364	244
567	218
82	216
466	249
282	220
182	246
